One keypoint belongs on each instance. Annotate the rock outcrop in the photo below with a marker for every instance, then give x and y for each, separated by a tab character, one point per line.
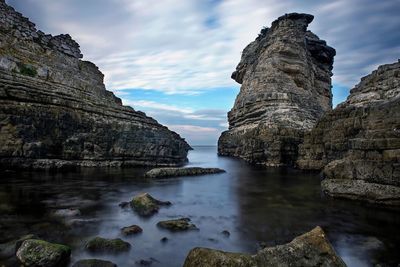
187	171
55	110
145	205
310	249
358	143
286	87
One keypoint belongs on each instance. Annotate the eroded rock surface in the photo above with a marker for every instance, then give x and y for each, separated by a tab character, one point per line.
311	249
175	225
34	252
94	263
145	205
187	171
286	87
56	112
104	245
357	145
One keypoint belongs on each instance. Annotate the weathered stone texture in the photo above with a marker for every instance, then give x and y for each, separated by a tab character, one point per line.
286	87
309	249
55	110
359	141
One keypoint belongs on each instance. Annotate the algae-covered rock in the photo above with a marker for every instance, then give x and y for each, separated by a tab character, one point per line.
131	230
99	244
34	252
146	205
181	224
94	263
308	250
173	172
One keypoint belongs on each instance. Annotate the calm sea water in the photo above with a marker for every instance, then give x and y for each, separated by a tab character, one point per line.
255	205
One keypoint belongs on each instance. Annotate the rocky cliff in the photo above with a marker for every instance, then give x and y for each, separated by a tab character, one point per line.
358	143
286	87
56	111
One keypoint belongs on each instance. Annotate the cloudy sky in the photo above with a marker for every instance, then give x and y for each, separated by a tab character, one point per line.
173	58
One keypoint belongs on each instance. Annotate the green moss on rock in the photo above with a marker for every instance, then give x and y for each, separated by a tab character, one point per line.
34	252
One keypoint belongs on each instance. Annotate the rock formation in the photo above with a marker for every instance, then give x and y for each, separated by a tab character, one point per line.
358	143
310	249
55	110
175	172
286	87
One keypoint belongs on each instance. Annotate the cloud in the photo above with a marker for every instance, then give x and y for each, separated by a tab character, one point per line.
188	48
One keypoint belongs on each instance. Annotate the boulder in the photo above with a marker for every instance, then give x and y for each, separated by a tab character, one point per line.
35	252
146	205
94	263
308	250
103	245
182	224
173	172
131	230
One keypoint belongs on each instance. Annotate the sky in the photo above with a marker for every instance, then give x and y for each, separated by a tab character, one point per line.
173	58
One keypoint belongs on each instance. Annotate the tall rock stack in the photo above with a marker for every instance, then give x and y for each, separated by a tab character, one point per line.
358	143
55	110
286	87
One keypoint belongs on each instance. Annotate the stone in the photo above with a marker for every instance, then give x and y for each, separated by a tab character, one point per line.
124	204
226	233
131	230
103	245
308	250
182	224
286	87
357	145
55	111
34	252
188	171
94	263
66	213
145	205
164	239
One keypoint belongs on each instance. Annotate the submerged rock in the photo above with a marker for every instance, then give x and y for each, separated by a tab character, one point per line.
34	252
146	205
286	87
99	244
64	213
131	230
94	263
55	111
182	224
188	171
308	250
357	145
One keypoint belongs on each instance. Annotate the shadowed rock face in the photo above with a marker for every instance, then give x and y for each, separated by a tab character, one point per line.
358	143
55	110
286	87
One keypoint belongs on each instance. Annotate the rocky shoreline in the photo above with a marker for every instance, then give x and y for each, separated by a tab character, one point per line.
55	111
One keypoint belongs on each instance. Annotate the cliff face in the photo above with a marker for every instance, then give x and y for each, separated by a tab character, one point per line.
55	110
286	87
358	143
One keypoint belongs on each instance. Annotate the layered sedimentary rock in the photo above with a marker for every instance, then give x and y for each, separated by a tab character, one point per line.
286	87
56	111
358	143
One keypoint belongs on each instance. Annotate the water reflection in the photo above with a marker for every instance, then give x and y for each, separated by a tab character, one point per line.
253	204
